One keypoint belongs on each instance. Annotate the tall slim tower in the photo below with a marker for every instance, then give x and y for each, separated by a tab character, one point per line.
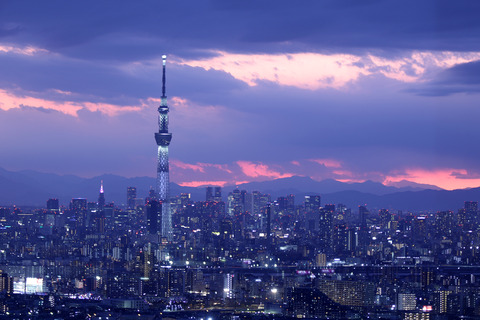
101	197
163	138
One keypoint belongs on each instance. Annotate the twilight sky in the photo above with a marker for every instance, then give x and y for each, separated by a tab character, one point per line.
350	90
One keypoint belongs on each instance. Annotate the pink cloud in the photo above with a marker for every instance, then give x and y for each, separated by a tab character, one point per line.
446	178
177	101
256	170
329	163
343	173
221	167
187	166
10	100
67	93
27	51
314	71
199	166
203	183
199	174
305	70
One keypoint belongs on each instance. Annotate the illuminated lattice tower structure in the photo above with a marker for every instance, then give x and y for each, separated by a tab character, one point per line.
163	138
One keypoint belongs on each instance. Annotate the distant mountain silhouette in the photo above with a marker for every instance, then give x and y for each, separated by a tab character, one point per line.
416	186
34	188
301	185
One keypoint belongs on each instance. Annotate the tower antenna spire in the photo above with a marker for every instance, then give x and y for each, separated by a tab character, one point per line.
164	61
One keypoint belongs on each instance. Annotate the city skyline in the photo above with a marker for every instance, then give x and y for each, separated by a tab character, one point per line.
330	90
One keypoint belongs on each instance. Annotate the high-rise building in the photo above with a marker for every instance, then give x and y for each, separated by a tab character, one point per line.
362	215
209	194
260	201
218	194
312	210
471	206
235	204
243	199
163	138
363	235
78	206
325	227
185	199
98	223
6	283
52	204
330	207
151	195
268	224
282	204
440	300
468	217
406	301
290	203
131	196
154	218
312	203
101	197
349	293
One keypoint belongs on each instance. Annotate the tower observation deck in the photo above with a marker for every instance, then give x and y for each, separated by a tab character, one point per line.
163	138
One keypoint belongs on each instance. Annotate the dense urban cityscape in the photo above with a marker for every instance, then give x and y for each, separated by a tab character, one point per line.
371	100
247	257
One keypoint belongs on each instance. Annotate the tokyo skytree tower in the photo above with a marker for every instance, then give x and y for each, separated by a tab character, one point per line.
163	138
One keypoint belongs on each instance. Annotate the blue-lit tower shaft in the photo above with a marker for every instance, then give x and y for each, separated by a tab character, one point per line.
163	138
